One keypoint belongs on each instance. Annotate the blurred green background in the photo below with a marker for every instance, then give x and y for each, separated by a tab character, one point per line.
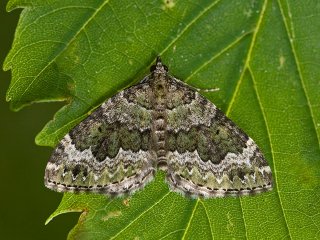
25	203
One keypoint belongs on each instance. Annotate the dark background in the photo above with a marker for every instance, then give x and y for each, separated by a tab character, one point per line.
25	203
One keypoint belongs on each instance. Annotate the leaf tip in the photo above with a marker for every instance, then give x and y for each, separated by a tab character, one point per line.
12	5
42	139
48	220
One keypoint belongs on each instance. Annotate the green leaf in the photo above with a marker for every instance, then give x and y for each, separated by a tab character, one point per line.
263	55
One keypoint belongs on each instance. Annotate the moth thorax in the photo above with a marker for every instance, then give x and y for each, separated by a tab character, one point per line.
159	89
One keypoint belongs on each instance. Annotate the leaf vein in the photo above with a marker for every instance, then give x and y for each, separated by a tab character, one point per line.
190	219
239	82
301	78
144	212
207	215
228	47
271	147
67	44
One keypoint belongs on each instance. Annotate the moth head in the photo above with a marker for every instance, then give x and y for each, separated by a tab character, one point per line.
159	67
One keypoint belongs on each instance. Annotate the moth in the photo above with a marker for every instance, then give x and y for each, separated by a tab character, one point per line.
160	123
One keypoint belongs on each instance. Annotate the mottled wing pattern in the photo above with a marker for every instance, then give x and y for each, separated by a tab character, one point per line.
109	152
208	155
162	123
